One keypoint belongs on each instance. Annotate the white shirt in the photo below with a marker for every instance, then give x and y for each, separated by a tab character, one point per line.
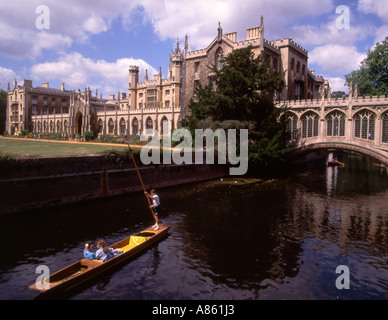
155	200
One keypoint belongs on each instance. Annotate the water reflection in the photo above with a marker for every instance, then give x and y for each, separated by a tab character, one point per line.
230	239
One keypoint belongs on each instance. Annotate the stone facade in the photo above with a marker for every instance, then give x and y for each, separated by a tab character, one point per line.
354	123
155	103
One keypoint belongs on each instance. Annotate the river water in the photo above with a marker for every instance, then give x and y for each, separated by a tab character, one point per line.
232	238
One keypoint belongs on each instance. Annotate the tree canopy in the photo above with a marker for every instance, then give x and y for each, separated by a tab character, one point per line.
372	77
240	96
3	109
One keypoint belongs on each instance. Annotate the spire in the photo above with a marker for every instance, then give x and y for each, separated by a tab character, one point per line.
186	44
261	28
219	31
177	50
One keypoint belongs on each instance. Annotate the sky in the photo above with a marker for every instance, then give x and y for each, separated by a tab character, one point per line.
91	43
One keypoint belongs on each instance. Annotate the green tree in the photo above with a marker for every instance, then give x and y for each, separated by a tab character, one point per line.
372	77
3	109
240	96
338	94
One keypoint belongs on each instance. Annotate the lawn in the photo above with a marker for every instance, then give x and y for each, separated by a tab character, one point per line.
33	148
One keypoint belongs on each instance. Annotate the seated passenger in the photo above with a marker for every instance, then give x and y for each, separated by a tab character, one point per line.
88	254
104	253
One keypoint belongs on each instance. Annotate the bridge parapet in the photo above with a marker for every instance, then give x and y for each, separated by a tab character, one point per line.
353	123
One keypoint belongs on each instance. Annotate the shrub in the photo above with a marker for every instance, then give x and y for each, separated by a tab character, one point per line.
89	135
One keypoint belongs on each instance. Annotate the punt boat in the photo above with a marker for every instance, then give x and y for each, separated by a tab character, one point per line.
85	269
335	163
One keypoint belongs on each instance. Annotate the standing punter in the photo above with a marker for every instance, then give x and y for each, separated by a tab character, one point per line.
155	203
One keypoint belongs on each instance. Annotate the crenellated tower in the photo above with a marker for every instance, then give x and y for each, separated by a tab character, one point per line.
132	85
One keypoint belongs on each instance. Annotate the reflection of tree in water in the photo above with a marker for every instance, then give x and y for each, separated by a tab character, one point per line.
247	238
239	239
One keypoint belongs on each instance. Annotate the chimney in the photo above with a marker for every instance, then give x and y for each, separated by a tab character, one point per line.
45	85
231	36
62	86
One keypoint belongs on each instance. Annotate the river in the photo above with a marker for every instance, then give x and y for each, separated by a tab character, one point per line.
232	238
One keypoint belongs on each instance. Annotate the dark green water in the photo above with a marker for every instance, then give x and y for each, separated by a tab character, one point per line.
230	239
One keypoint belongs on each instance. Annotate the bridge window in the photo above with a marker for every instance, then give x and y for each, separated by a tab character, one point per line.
335	124
309	125
291	122
364	125
385	128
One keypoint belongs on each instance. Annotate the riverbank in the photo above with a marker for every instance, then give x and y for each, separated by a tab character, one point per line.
32	183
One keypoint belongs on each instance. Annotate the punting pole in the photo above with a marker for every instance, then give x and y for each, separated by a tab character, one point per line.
142	184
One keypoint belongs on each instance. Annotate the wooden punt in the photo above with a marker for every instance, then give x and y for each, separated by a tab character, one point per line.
85	269
334	163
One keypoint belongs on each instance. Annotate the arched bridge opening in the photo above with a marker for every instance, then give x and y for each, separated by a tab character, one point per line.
378	155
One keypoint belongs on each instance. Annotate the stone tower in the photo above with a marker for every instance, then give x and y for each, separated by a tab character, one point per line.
177	60
132	85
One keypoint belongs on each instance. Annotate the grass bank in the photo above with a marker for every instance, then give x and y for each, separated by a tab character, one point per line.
26	148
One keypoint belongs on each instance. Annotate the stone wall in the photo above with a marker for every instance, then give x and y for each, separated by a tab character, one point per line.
55	181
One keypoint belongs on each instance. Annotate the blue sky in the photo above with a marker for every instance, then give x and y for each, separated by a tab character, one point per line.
92	43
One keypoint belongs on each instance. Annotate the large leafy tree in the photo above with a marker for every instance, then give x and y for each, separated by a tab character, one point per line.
3	109
240	96
372	77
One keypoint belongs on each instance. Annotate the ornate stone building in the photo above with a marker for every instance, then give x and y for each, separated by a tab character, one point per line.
156	102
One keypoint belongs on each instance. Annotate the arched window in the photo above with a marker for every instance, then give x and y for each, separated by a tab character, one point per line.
309	125
364	125
111	126
385	127
164	125
122	126
135	126
149	123
335	124
218	58
291	122
59	126
100	126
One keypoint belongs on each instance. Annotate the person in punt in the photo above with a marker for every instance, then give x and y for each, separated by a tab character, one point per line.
88	253
104	253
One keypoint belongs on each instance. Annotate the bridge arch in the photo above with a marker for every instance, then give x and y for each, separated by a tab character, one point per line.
378	155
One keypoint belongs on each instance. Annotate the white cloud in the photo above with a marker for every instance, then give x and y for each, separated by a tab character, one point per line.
379	7
199	18
337	84
329	33
381	33
7	76
78	71
70	21
336	58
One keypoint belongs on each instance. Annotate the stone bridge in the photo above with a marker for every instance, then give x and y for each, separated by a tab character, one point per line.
355	123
